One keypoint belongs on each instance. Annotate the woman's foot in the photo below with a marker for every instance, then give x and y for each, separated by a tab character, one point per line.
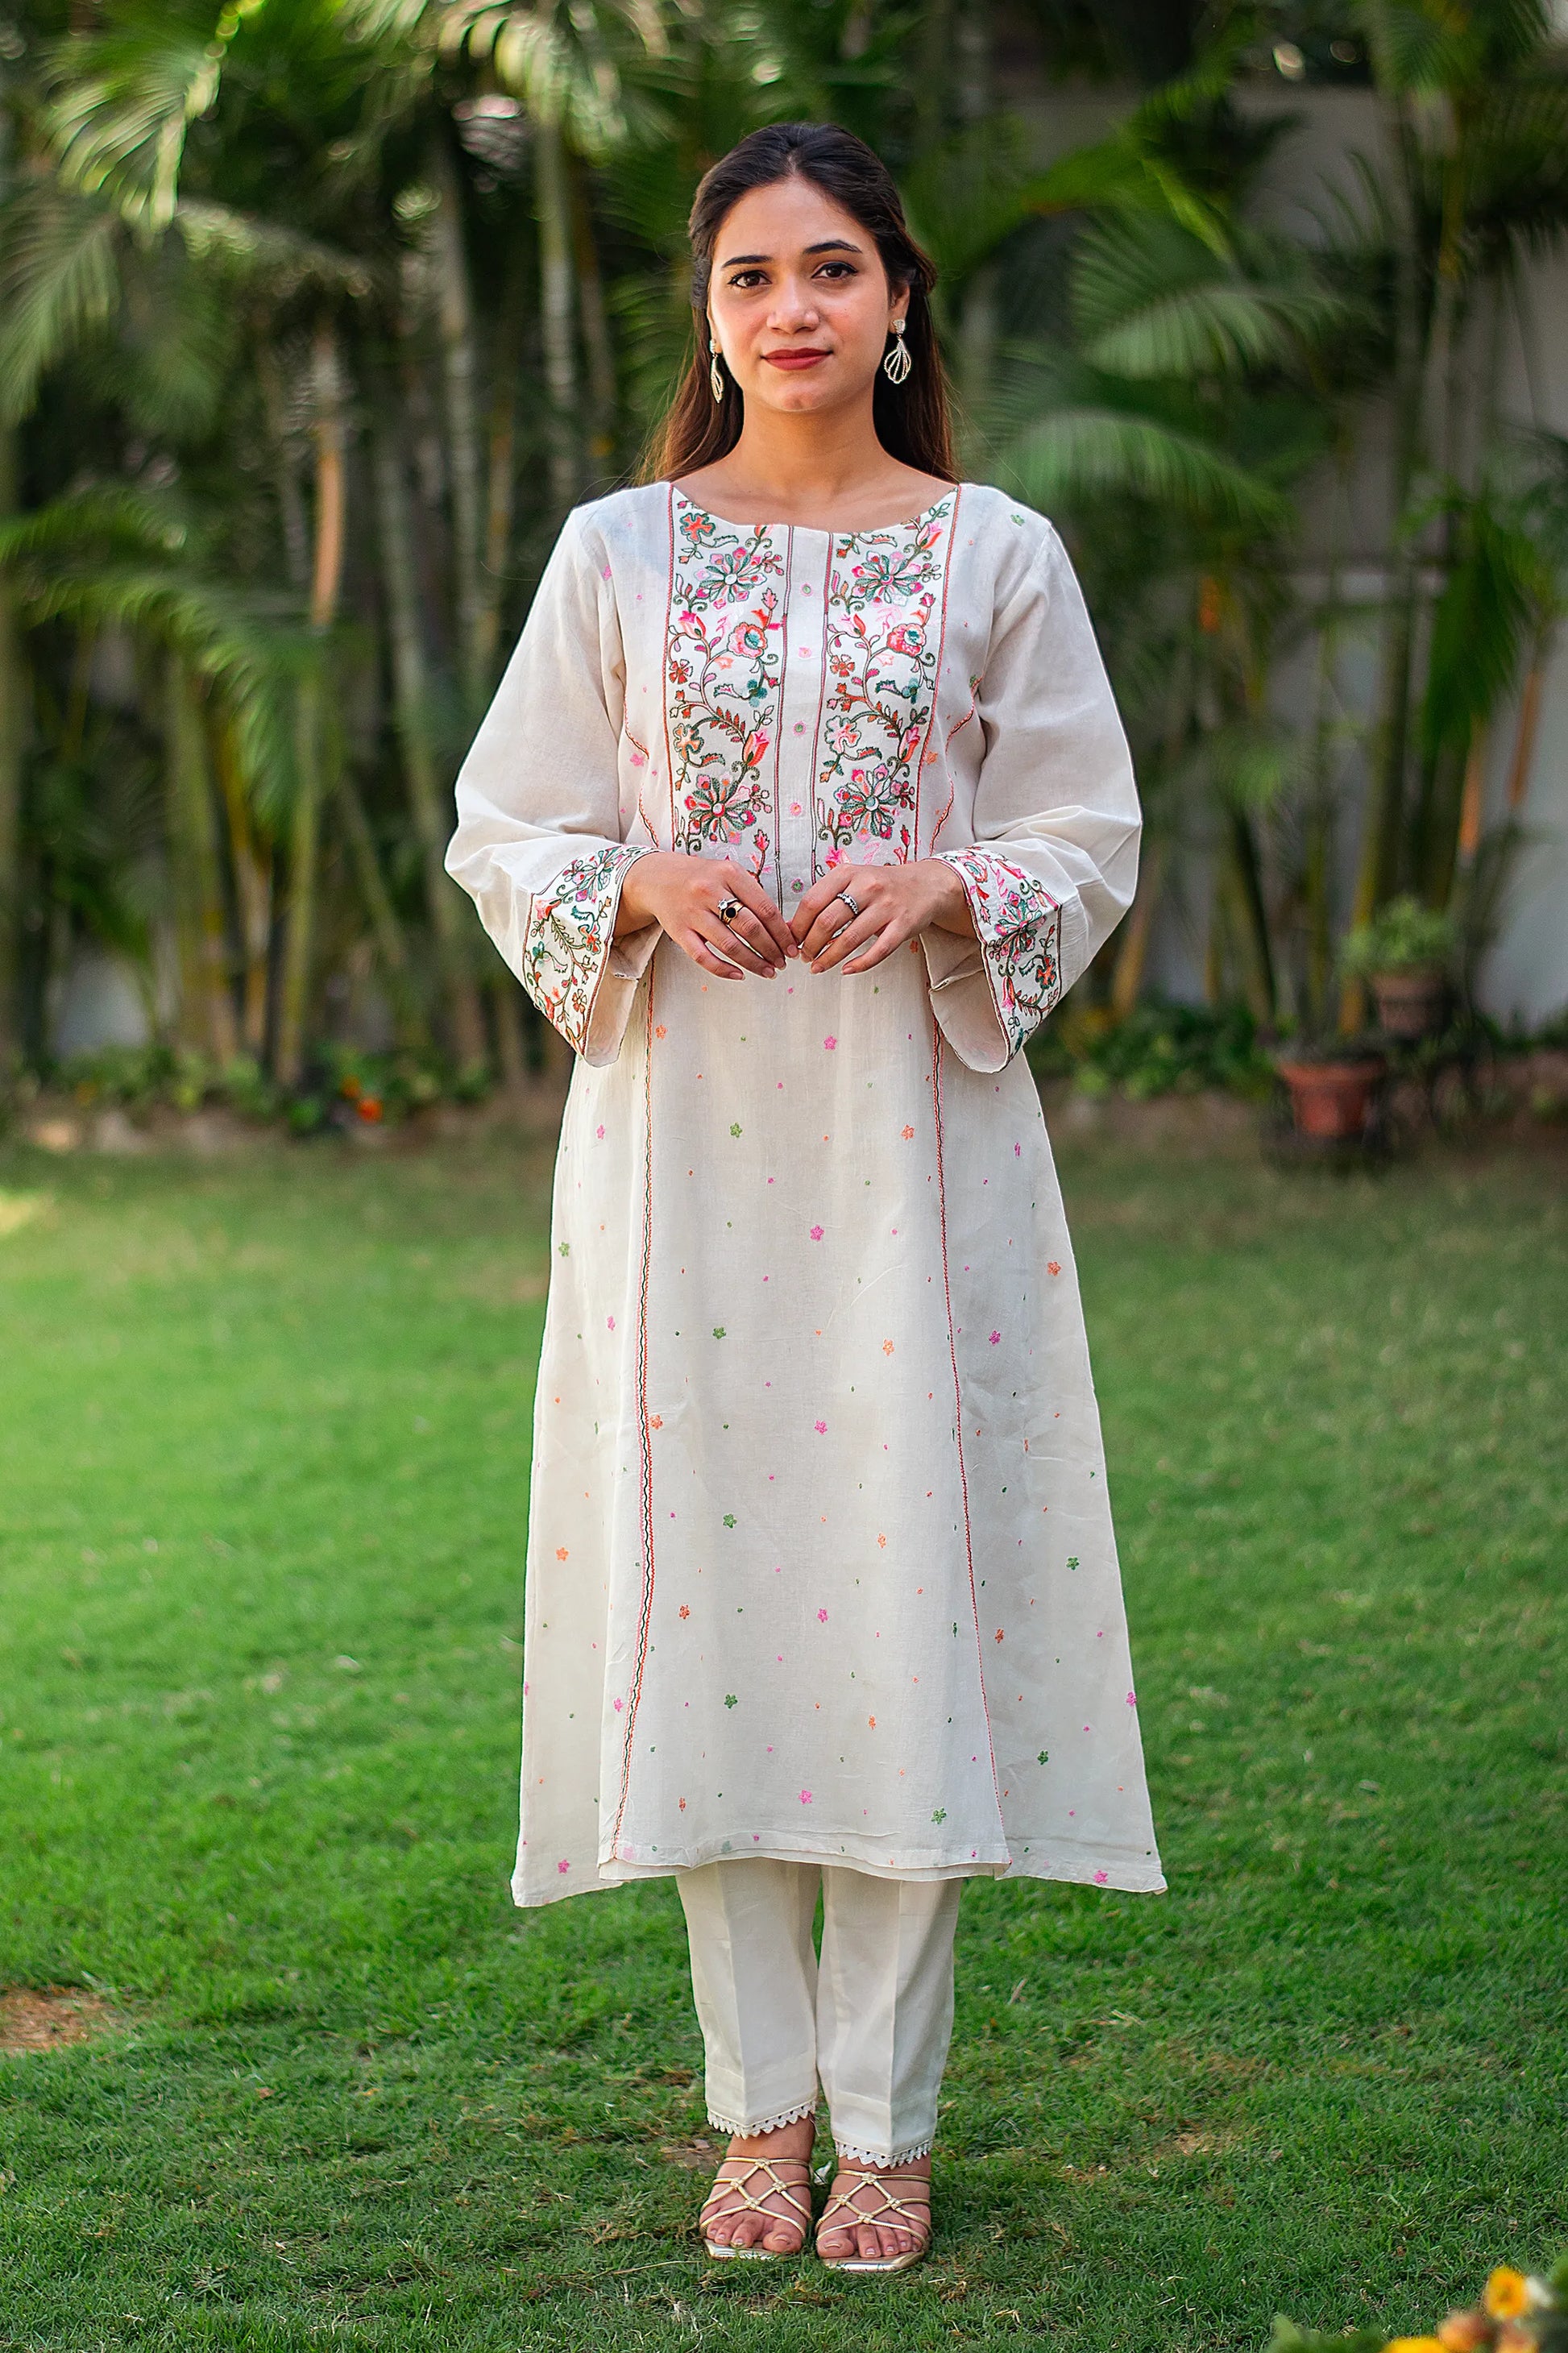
760	2203
877	2216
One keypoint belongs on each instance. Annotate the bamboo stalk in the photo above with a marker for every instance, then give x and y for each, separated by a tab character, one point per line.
13	701
455	325
426	798
553	207
392	948
1127	980
326	585
251	864
501	470
1526	730
596	341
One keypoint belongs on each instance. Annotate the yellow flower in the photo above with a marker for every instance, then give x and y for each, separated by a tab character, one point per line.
1414	2345
1507	2294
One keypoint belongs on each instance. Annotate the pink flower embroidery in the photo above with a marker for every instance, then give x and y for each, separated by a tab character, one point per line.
822	1617
600	1134
995	1337
830	1043
816	1233
1131	1699
620	1705
1102	1878
609	1323
562	1866
821	1429
805	1796
1052	1267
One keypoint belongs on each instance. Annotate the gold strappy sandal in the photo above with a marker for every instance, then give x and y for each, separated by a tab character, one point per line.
734	2180
908	2211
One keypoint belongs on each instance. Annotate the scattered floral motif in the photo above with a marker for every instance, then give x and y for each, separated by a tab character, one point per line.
1053	1266
816	1233
940	1815
731	1700
729	1519
821	1429
995	1336
560	1552
718	1332
887	1347
685	1610
906	1133
1101	1877
734	1127
831	1044
822	1617
805	1796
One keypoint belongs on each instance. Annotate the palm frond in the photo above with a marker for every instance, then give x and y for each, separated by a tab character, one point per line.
1083	453
281	260
1151	300
125	97
59	280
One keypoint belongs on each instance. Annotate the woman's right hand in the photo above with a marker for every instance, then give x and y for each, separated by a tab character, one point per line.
683	894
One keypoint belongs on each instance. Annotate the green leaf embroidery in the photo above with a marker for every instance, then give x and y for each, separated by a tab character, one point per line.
731	1700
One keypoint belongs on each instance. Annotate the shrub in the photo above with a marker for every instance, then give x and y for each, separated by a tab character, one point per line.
1403	937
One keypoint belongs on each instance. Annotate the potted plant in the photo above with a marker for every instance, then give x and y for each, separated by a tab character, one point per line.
1404	954
1333	1089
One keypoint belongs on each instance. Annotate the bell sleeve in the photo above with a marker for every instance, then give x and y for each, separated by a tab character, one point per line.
1054	860
538	846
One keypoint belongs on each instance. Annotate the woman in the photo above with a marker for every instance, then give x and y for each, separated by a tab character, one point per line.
802	799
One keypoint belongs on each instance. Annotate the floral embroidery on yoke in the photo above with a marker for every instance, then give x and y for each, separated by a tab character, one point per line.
1018	924
884	642
567	939
723	662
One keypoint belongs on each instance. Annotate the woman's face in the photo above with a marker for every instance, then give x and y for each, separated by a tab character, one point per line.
798	300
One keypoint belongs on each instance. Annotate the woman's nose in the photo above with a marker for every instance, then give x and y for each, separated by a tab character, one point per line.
794	306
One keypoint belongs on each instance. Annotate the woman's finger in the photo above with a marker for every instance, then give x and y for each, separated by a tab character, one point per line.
856	933
893	934
834	919
753	934
750	892
727	939
697	948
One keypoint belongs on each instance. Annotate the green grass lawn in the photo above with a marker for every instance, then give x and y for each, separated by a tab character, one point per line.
264	1435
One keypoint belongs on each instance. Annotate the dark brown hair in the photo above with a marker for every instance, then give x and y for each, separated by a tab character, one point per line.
912	419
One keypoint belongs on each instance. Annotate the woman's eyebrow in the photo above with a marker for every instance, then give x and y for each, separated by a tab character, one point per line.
827	245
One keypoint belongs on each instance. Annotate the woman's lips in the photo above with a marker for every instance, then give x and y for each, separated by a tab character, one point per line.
803	358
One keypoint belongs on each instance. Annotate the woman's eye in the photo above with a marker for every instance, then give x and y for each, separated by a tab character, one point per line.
837	269
746	278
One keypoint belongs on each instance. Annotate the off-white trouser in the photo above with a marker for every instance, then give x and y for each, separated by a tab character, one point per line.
873	2020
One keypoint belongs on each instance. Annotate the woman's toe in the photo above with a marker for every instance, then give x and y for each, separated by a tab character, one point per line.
870	2245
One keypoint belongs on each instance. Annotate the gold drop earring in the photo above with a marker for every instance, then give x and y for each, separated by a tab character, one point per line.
715	381
896	361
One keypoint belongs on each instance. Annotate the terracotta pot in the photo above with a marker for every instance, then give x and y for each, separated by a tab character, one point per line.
1410	1004
1331	1100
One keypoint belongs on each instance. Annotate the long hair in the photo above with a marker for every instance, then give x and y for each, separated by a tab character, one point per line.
912	419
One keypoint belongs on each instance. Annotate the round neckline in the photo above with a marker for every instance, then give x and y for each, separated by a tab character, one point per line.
819	531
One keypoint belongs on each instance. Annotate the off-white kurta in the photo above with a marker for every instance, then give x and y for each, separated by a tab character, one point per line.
820	1560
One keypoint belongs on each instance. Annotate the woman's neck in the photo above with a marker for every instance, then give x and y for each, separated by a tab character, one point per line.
813	470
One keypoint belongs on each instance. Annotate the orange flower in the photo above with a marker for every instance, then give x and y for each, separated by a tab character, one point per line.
1507	2294
369	1108
1464	2332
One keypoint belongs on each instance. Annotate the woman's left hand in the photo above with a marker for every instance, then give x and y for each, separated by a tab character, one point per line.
896	902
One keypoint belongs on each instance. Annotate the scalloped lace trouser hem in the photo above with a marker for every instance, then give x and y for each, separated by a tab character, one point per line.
872	2021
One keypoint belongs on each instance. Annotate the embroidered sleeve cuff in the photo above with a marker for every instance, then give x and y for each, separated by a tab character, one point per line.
579	974
990	994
